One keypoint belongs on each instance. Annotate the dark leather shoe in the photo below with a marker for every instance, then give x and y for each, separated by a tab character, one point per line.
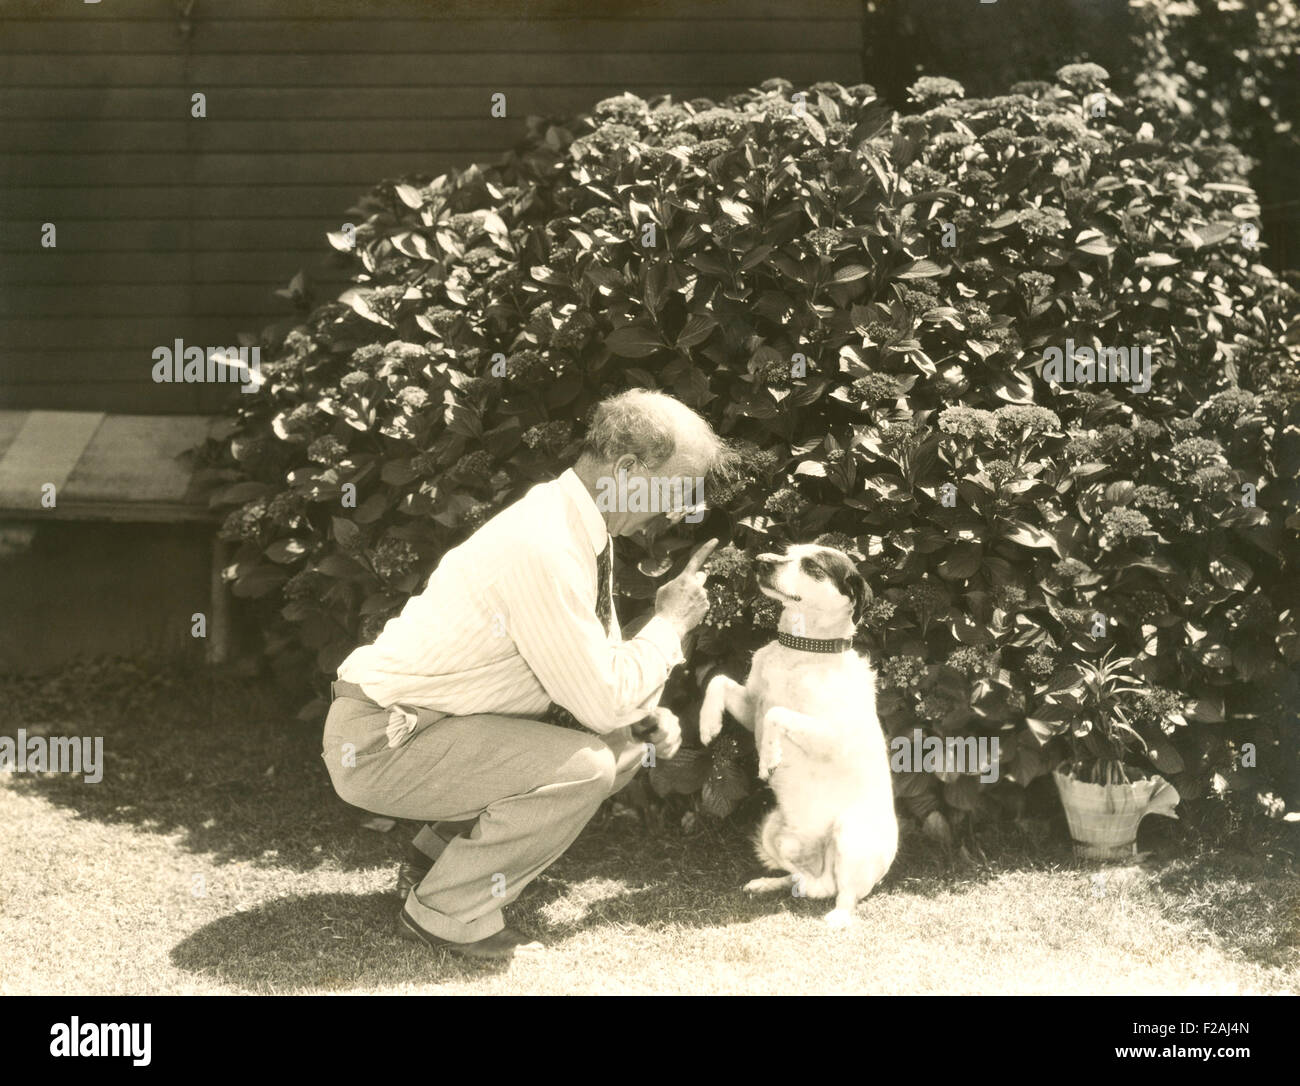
502	945
409	876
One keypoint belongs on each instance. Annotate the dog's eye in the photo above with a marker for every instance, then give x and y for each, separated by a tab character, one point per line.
810	567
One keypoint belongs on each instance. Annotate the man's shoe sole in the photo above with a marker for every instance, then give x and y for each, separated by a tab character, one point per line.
409	929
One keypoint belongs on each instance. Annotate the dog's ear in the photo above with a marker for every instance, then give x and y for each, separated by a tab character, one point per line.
859	592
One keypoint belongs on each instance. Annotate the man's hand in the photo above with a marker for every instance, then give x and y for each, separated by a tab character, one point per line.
682	601
660	729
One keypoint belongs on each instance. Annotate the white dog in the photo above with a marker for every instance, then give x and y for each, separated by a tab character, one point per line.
811	702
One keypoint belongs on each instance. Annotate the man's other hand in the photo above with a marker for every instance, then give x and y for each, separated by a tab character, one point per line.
682	601
660	729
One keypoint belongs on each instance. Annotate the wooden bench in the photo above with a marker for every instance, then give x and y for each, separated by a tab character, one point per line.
106	467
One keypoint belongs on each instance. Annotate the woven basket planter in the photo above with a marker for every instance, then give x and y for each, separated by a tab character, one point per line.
1104	818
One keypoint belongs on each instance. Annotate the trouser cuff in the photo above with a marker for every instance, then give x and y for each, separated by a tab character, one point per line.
449	928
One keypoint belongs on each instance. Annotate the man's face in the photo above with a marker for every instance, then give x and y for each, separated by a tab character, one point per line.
653	500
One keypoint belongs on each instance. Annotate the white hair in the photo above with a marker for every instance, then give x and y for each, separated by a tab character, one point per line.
652	426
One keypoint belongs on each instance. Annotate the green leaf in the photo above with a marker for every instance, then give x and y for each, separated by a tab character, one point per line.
1231	572
286	550
1043	730
346	534
547	276
963	561
258	582
1165	757
361	306
1210	234
1029	536
696	330
634	341
1208	710
1094	242
409	195
735	210
1029	764
683	774
398	472
969	632
919	269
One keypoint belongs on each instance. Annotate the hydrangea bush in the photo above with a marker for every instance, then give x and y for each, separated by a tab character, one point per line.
861	300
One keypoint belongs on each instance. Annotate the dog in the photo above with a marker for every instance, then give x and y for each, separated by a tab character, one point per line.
810	701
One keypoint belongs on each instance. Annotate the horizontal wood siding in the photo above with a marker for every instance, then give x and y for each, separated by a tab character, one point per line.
172	227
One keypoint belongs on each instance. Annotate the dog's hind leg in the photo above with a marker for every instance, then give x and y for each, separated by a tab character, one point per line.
769	886
723	693
857	865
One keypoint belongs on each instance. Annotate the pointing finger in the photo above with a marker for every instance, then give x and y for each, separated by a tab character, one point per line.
700	556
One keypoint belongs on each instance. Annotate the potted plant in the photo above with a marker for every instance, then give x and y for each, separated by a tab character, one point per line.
1104	791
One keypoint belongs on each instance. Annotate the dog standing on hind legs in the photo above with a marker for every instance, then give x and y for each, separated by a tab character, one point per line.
810	701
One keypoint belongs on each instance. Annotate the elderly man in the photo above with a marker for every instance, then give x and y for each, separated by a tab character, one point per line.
440	720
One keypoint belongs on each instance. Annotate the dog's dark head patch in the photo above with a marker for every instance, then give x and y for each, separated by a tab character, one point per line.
837	567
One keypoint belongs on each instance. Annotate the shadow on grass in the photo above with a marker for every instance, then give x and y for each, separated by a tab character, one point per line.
612	879
221	761
224	763
315	941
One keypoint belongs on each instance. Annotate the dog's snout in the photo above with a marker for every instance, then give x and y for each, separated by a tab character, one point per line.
765	563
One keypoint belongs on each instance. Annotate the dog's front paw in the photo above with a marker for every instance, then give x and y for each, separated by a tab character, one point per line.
769	754
839	918
710	722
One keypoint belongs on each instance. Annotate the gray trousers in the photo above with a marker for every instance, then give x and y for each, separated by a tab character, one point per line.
531	786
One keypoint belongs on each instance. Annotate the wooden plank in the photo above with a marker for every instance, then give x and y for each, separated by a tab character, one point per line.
110	396
102	299
171	235
44	203
428	37
287	135
361	169
423	10
130	512
137	458
235	103
486	70
11	422
44	452
143	334
113	11
72	268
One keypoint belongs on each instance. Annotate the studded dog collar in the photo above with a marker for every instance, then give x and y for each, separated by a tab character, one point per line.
815	644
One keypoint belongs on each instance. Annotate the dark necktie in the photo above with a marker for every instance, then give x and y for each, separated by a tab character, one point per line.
558	714
604	587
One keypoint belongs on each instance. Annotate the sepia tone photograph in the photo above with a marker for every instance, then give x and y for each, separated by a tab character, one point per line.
650	497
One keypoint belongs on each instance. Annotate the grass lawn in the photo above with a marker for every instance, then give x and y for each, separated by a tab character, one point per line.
214	857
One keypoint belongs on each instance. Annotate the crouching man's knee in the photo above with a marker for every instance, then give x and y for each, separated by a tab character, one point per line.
595	765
